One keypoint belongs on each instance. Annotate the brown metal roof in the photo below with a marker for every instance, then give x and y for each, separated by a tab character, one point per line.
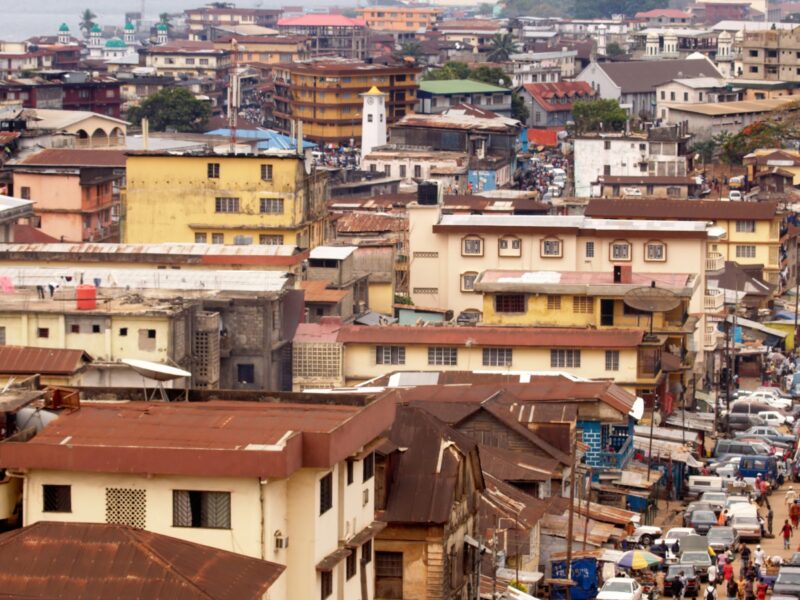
334	558
424	481
26	360
316	290
689	210
93	560
218	438
76	158
354	222
516	466
528	337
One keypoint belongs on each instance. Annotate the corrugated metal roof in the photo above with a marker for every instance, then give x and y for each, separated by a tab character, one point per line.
317	291
354	222
92	560
70	157
332	252
526	337
169	248
24	360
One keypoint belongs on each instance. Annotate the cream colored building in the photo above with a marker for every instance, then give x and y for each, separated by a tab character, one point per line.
289	483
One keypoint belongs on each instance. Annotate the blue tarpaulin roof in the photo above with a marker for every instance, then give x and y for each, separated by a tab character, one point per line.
270	140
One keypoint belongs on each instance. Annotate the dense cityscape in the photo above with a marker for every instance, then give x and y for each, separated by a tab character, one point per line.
401	301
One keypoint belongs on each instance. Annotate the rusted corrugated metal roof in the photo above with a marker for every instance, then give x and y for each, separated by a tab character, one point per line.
316	290
354	222
26	360
70	157
529	337
516	466
93	560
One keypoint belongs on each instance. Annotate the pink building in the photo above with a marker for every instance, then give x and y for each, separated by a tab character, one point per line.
76	193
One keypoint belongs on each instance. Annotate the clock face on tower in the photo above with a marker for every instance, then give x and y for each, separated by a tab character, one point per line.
370	100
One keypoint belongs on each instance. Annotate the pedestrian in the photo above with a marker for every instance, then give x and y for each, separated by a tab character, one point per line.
758	560
681	584
790	496
769	519
740	585
786	530
40	292
794	514
723	518
52	286
727	572
731	589
712	575
711	592
761	590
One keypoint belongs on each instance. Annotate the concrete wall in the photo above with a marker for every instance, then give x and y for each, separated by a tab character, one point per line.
591	156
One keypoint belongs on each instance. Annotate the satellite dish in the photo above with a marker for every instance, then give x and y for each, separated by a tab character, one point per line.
153	370
308	161
651	299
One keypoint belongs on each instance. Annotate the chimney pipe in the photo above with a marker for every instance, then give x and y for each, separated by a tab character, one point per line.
300	137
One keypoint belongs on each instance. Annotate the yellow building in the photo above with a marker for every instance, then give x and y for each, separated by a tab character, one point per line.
292	484
325	96
749	232
268	49
268	199
399	18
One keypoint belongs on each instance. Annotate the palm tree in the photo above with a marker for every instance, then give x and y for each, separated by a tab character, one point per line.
503	46
165	19
87	21
412	50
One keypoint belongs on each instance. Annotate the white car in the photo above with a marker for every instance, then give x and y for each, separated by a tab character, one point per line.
774	400
774	418
676	534
620	588
735	196
645	535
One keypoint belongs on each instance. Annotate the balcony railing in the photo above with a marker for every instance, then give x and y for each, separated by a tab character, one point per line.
618	459
715	261
714	300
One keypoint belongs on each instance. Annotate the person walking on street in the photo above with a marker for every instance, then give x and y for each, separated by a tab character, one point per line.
770	516
681	581
727	572
794	513
740	585
745	553
712	575
787	534
711	592
758	560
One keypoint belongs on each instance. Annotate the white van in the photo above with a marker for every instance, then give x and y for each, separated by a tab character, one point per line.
699	484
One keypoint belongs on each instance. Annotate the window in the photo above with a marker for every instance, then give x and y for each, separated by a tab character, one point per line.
655	251
326	584
509	246
672	95
607	145
402	171
272	206
497	357
246	373
217	238
95	328
612	360
745	226
189	61
569	359
270	240
2	336
443	355
589	249
607	170
368	467
126	506
75	328
620	251
350	565
123	331
151	334
387	170
663	95
741	252
370	118
226	205
472	246
349	471
203	61
43	332
509	303
468	281
685	96
366	552
389	575
554	303
266	172
390	355
25	192
551	248
582	305
326	493
200	238
417	171
213	170
56	498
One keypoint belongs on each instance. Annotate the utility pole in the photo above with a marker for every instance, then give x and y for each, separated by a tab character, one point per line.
652	424
586	516
571	513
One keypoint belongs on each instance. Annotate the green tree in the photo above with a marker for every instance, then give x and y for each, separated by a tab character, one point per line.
519	109
614	49
503	46
591	115
450	70
172	108
491	75
165	19
411	49
87	21
541	8
485	9
706	149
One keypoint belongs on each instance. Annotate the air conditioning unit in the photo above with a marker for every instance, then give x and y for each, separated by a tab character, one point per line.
281	541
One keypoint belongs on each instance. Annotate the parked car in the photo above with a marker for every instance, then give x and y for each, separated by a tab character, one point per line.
673	572
795	559
735	447
735	196
699	559
715	499
788	581
751	467
620	588
722	538
730	501
676	534
768	433
774	418
692	507
742	421
747	527
644	534
702	521
770	396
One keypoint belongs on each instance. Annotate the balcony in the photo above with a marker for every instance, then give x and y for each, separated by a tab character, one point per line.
714	300
618	459
710	338
715	261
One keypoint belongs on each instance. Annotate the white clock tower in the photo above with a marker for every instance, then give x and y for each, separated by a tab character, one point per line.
373	121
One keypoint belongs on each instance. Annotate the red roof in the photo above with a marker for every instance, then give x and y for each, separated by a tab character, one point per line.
210	439
76	158
669	13
321	20
531	337
25	360
317	291
543	137
99	560
549	95
27	234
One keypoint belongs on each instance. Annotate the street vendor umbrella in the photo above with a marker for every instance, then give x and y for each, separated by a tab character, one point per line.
638	559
